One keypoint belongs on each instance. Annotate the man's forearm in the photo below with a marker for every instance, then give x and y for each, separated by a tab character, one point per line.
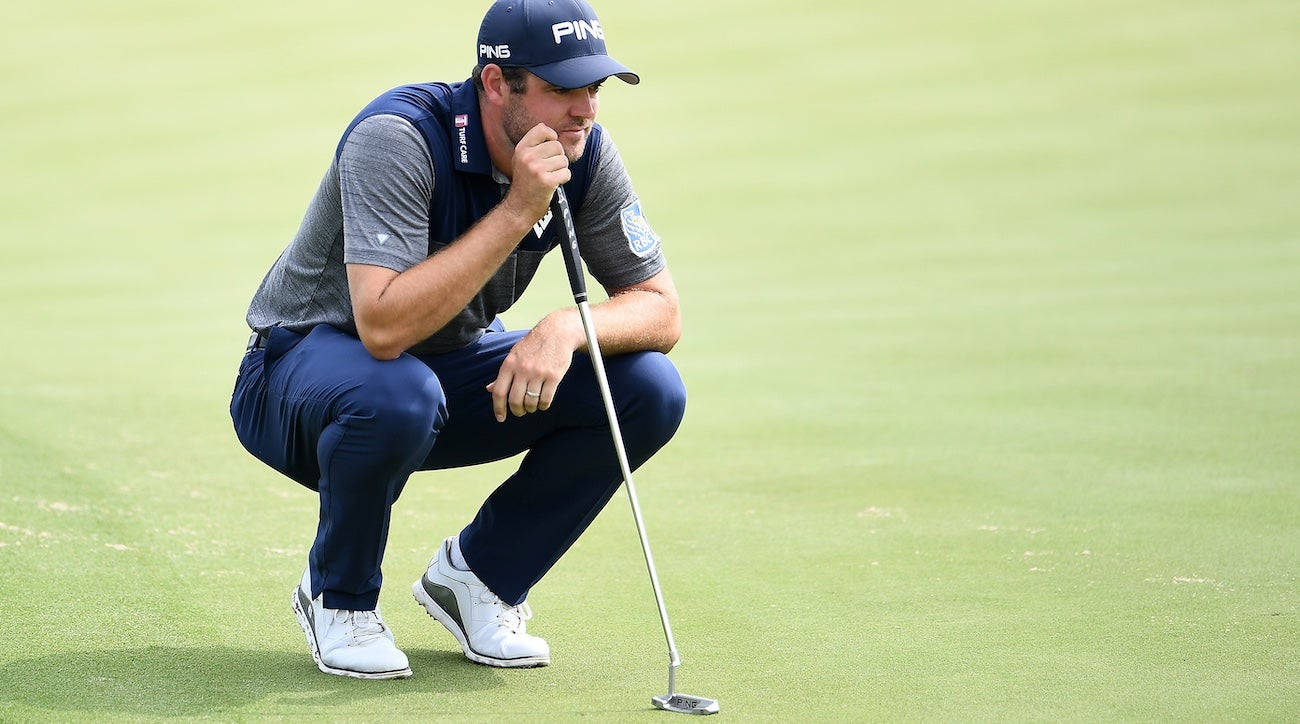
632	320
421	300
395	311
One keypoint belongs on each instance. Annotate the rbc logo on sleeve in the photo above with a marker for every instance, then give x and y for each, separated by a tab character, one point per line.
641	239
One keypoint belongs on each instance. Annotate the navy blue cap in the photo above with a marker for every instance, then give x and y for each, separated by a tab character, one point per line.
559	41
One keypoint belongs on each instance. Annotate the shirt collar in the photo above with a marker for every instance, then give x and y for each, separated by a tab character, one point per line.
469	151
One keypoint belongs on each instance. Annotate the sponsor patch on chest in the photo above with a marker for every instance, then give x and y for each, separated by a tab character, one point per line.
641	239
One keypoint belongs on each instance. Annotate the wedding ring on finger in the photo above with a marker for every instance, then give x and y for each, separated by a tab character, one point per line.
530	393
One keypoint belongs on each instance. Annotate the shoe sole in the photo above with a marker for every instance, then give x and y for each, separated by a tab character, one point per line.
438	614
315	649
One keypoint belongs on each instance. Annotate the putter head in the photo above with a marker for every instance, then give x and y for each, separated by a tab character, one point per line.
685	704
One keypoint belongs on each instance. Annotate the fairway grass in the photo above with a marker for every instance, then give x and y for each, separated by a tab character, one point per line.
992	343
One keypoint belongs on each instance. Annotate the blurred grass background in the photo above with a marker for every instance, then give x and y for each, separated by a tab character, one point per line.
992	341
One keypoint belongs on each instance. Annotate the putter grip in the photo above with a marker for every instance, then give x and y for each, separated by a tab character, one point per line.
569	244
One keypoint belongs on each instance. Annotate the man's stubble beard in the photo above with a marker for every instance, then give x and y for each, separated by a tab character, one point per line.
518	123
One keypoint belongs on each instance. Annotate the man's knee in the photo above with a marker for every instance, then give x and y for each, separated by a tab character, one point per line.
654	397
401	399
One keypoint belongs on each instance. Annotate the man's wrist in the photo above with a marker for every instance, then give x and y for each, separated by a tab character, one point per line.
513	217
566	325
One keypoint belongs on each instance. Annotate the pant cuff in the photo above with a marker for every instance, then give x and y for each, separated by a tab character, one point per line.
350	601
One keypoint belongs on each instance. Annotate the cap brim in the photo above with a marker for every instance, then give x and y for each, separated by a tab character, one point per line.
583	71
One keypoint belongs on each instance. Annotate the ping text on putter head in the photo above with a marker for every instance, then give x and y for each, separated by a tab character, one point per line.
685	704
672	701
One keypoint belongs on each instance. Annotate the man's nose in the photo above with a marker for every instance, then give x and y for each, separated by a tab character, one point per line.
584	105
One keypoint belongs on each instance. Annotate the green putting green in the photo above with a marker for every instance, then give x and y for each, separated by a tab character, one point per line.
992	340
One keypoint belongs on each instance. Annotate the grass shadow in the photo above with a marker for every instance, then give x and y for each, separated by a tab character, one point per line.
180	681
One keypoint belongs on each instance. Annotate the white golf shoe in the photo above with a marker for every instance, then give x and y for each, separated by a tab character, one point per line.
347	643
489	631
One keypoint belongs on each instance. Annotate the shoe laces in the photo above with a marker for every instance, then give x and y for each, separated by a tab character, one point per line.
363	626
512	617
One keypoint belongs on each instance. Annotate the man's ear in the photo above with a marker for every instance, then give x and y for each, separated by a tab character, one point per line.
494	84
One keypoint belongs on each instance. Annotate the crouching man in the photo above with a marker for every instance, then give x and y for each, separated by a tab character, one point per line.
377	351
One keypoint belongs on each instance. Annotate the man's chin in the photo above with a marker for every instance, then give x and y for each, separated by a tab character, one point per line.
574	144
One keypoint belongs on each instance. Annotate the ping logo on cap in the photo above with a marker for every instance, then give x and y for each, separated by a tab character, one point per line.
579	29
560	41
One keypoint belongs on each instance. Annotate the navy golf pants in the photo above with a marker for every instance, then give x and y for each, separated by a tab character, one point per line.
321	410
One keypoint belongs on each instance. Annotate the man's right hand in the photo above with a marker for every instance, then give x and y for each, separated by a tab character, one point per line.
540	166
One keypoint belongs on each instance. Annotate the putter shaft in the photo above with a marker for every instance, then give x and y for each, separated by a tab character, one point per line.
584	311
681	703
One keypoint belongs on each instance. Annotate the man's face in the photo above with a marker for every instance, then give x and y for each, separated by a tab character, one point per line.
569	111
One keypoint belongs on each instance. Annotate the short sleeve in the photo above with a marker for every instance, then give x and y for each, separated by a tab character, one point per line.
614	235
386	184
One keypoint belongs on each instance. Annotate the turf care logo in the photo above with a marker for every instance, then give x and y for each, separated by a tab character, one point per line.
579	29
462	120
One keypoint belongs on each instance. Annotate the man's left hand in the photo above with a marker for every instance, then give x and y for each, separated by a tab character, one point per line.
534	367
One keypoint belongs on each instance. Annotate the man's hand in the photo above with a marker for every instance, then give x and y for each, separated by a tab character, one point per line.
539	167
534	367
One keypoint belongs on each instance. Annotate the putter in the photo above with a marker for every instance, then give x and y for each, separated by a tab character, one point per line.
672	701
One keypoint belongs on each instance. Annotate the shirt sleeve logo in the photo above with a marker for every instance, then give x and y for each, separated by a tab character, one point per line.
641	239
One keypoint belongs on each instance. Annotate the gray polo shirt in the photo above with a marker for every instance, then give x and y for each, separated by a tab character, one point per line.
372	207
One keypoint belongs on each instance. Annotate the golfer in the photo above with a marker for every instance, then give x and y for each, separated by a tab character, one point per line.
377	351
